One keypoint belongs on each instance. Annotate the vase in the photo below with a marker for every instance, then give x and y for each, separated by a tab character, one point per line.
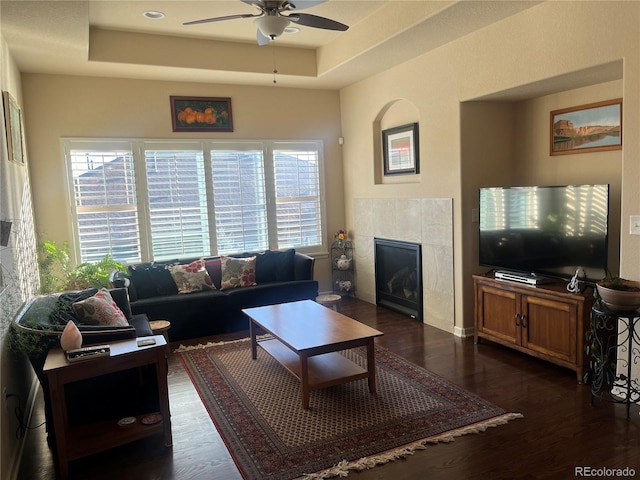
71	337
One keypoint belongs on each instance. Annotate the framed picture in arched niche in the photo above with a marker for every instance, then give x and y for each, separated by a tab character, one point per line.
400	150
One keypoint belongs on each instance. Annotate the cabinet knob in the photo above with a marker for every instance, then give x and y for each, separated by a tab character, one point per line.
517	318
524	321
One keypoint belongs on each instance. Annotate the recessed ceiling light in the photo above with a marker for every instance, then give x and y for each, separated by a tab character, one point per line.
291	30
153	15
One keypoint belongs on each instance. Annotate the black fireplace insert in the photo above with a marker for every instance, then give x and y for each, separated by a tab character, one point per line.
398	273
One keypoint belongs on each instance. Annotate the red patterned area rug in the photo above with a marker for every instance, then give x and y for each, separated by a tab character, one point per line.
256	407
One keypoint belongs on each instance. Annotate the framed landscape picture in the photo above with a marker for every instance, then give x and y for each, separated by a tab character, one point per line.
201	114
13	128
400	150
595	127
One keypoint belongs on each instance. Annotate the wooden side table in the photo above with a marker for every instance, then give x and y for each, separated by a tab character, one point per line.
161	327
77	441
330	301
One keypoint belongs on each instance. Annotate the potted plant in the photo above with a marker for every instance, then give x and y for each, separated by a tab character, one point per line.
57	274
619	294
31	335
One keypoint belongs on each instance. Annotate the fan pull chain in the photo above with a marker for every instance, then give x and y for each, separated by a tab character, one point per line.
275	69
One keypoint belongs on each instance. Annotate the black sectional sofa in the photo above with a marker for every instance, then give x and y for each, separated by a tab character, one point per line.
280	276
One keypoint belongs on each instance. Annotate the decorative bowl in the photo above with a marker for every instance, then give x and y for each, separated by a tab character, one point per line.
621	296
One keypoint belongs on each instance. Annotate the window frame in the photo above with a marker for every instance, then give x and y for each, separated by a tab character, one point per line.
138	146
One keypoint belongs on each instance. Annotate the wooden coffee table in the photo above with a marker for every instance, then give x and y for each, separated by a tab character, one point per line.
306	339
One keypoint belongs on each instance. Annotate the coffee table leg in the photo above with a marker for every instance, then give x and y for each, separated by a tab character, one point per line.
254	342
304	373
371	365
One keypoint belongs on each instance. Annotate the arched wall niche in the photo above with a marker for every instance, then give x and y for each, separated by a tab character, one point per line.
394	114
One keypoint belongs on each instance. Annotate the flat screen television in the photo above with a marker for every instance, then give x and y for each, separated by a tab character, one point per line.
545	230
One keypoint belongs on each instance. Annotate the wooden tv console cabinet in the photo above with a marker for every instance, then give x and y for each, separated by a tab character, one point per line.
544	321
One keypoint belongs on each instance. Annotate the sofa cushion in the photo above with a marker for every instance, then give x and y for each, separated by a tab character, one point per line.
214	268
238	272
99	309
152	279
63	310
192	277
275	266
196	300
272	293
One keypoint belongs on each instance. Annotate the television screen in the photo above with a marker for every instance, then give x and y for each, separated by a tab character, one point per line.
549	231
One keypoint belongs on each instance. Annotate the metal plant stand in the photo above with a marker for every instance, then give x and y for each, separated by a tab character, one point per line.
342	268
614	333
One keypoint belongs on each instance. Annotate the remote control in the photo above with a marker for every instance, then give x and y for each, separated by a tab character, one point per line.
88	352
89	349
146	342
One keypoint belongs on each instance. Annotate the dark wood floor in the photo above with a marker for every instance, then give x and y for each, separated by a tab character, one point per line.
560	431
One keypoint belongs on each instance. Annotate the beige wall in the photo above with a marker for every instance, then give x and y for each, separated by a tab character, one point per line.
548	41
67	106
534	165
16	375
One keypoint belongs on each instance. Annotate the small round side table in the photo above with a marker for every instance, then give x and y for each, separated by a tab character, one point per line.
329	301
161	327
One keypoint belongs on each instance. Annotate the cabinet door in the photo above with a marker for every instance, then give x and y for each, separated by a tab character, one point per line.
549	327
497	310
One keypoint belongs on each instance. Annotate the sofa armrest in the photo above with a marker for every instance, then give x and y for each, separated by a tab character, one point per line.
303	266
121	297
100	335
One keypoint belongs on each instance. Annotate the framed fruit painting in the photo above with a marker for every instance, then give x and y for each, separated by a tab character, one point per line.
201	114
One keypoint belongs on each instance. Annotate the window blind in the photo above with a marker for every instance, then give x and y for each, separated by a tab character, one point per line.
298	201
104	193
239	196
177	203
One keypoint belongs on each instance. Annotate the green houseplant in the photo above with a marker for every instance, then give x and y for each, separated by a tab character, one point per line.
56	275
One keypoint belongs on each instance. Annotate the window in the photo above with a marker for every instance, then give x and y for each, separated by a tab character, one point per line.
298	205
239	196
177	197
104	193
154	200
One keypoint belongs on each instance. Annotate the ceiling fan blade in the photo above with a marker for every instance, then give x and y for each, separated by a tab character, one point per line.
219	19
301	4
309	20
255	3
262	38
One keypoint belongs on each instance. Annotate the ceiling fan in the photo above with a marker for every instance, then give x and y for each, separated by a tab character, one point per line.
271	21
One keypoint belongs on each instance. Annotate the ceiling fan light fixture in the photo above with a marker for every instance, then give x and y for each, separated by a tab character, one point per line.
271	26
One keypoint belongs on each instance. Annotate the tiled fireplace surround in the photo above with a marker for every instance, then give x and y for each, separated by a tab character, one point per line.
428	221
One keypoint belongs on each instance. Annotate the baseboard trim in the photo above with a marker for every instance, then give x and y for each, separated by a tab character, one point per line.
463	332
16	459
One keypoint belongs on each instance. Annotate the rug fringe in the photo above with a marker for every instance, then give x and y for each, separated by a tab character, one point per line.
202	346
343	468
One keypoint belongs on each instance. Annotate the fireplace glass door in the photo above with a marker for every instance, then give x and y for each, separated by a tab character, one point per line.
399	276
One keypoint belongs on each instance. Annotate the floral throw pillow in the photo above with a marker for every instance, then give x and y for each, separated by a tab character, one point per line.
192	277
100	309
238	272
